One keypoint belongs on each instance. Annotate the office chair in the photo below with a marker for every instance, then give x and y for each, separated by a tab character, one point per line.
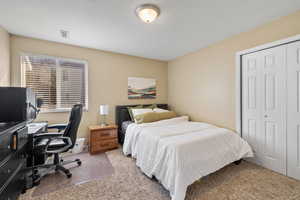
54	143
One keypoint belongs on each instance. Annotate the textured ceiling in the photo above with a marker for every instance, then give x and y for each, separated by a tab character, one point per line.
183	26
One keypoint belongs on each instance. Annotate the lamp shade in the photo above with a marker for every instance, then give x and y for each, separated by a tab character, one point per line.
104	109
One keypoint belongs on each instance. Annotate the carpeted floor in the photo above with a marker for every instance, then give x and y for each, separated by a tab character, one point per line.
243	182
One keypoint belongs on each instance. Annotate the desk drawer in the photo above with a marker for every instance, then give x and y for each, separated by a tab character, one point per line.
12	141
15	183
9	168
5	146
19	139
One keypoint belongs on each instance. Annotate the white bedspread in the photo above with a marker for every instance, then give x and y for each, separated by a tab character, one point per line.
135	130
178	152
181	160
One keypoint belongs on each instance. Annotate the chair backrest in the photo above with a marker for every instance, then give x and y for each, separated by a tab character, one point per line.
74	121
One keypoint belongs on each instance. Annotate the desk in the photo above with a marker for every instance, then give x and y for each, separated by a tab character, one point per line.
34	128
13	141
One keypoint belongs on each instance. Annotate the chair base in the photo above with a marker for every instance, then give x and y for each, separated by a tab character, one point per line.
40	171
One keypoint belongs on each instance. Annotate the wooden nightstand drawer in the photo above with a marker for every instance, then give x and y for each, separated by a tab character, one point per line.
103	138
104	134
106	145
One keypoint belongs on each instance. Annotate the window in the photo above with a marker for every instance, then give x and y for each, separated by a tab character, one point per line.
59	82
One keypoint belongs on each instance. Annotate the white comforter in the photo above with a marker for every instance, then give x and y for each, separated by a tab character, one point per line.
178	152
163	127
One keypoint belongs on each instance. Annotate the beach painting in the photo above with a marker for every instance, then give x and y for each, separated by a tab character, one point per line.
141	88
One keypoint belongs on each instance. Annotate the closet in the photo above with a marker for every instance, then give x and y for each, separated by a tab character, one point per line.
270	89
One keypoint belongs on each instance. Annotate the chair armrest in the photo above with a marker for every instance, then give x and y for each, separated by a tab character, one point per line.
60	127
67	140
47	135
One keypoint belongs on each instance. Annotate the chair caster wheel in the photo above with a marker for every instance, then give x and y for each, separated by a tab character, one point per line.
78	162
68	173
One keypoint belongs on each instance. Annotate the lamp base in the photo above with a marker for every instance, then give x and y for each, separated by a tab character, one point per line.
103	121
103	124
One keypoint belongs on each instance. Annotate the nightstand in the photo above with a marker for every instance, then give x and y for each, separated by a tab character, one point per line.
103	138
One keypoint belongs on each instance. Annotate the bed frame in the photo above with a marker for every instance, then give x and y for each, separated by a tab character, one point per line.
122	115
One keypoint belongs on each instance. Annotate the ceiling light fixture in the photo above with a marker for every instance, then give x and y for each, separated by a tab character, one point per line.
147	12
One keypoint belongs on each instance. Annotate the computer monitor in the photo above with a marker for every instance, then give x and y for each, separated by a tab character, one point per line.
17	104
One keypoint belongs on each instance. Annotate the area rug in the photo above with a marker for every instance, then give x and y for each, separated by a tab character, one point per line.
234	182
94	167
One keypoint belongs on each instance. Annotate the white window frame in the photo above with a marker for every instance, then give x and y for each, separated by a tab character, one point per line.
23	80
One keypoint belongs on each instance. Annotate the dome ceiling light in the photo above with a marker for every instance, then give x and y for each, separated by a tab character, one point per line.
148	12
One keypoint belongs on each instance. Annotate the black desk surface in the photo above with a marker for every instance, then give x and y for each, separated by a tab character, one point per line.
10	126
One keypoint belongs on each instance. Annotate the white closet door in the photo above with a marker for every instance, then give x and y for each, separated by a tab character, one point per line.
273	88
251	106
293	122
264	106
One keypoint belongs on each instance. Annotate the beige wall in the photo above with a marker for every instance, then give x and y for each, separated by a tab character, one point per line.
4	58
108	73
202	84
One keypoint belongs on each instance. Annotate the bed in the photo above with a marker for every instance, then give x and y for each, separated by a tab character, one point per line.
178	152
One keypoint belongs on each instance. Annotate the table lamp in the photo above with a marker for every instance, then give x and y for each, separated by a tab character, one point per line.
103	110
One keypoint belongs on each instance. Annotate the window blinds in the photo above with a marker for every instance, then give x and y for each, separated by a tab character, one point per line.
60	82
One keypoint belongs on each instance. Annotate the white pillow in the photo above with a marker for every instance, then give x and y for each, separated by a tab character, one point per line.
159	110
140	111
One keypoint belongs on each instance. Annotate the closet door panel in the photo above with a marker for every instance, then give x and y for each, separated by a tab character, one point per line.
263	106
270	140
293	122
270	80
251	105
273	90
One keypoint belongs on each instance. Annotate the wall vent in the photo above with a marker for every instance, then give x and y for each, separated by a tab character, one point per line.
64	34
